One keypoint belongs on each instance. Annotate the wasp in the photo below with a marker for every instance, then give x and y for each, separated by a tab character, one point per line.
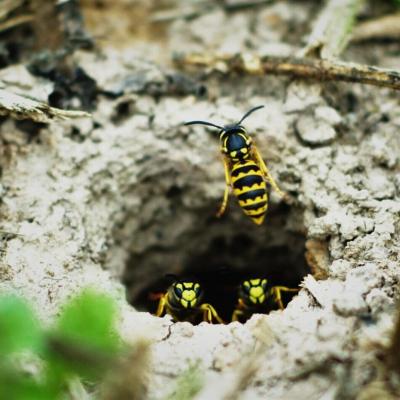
245	170
183	301
256	296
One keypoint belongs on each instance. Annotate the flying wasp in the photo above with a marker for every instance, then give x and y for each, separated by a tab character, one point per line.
183	301
256	296
245	170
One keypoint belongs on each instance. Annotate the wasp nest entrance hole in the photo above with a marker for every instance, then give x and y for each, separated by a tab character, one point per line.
220	254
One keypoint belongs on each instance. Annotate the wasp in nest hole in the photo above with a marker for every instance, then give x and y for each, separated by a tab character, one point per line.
183	301
245	170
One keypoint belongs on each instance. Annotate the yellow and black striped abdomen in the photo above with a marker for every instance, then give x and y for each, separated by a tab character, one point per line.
250	189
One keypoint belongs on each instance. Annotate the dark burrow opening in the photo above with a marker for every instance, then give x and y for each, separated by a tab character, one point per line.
220	255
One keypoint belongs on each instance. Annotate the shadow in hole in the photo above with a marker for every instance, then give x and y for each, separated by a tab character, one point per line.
229	261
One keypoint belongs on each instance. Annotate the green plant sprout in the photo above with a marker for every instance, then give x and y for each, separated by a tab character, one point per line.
81	346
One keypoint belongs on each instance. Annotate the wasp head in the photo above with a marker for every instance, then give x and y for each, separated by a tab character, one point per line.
235	142
185	294
254	291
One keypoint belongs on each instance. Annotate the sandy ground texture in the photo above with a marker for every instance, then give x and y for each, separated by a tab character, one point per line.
117	200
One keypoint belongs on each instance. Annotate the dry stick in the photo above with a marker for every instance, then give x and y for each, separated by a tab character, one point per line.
307	68
329	37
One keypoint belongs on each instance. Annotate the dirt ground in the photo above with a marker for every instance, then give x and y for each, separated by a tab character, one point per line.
120	199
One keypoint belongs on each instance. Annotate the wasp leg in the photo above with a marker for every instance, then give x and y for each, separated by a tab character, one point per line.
161	305
239	310
276	293
227	188
237	314
209	313
266	172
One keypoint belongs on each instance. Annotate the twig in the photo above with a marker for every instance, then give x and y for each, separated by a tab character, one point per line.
306	68
20	107
387	27
12	22
332	29
7	6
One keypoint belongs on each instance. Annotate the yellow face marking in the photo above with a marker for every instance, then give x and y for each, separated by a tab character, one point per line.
255	281
188	295
246	284
233	153
184	303
257	300
257	294
256	291
243	150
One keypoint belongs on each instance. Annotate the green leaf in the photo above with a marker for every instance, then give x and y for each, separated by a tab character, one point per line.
89	319
84	342
17	386
19	329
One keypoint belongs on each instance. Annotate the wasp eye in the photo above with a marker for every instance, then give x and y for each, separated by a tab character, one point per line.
197	289
178	290
246	286
264	283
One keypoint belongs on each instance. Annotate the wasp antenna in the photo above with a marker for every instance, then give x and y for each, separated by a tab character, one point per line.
203	123
248	113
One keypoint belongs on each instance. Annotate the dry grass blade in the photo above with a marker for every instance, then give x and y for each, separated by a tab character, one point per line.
332	29
20	107
12	22
7	6
387	27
